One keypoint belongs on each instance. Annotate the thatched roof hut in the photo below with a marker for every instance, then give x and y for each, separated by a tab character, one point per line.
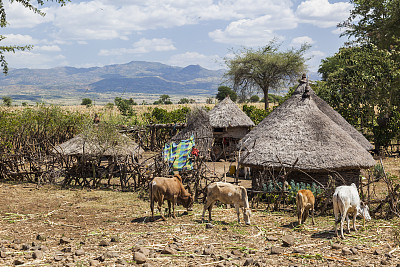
120	145
198	125
299	132
335	116
226	114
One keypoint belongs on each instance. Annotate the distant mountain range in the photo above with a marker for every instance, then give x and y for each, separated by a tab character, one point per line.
140	80
137	79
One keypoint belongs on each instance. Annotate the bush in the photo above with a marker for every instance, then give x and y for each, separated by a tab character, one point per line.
255	114
86	102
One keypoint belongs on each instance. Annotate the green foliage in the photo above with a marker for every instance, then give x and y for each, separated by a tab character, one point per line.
7	101
265	68
224	91
254	99
160	115
210	100
362	84
163	100
86	102
186	101
125	106
109	106
255	114
378	171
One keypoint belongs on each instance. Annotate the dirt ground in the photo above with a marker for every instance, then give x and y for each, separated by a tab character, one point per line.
81	227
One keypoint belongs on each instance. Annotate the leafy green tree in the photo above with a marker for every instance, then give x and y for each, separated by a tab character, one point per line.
224	91
265	68
254	99
7	101
255	114
3	23
124	106
183	101
374	22
86	102
362	84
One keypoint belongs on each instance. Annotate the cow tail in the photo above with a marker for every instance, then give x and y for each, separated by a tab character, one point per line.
244	196
151	194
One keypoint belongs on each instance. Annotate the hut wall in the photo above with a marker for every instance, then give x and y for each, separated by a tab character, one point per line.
350	176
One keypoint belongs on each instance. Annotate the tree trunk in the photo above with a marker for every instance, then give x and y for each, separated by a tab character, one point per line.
266	102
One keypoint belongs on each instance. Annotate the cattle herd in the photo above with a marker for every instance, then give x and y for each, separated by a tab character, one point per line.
346	200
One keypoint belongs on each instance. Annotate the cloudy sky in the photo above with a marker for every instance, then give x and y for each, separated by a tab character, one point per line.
174	32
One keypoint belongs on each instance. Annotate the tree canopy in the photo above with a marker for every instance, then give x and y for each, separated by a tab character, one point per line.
224	91
3	23
265	68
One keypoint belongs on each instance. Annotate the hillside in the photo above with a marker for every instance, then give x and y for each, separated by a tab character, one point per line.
137	79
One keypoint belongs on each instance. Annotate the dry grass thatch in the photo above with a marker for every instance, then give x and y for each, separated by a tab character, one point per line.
336	117
299	130
119	145
227	114
198	125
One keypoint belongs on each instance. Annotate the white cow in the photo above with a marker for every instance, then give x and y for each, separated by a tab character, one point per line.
229	194
347	201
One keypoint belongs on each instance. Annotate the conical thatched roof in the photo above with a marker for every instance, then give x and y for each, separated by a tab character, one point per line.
121	145
336	117
227	114
198	125
299	130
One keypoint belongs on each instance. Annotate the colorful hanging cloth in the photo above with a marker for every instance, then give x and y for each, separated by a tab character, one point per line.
178	155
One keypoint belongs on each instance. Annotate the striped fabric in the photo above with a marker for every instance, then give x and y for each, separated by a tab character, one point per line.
178	155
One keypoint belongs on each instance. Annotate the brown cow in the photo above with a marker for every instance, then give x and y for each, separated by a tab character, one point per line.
170	189
229	194
305	201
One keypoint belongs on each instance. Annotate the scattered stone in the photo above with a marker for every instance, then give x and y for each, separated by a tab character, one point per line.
37	254
92	263
43	248
336	246
40	237
359	247
248	261
18	262
252	251
110	254
209	250
26	247
64	241
299	250
169	251
17	241
115	239
272	238
104	243
209	226
276	250
101	258
237	252
354	251
79	252
3	254
121	262
140	258
143	250
58	258
378	252
346	251
288	240
16	246
384	262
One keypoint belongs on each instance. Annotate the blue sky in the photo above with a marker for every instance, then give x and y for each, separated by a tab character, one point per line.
173	32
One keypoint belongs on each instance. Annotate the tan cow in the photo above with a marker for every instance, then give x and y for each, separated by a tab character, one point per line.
305	201
170	189
229	194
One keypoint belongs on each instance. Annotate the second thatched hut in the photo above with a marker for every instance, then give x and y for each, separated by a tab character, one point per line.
230	124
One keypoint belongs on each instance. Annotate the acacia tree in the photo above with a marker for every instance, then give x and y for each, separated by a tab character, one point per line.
265	68
3	23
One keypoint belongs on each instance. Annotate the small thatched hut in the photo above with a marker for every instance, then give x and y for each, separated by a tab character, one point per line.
299	136
198	125
229	124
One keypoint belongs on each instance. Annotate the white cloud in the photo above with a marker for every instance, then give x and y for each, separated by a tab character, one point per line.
47	48
29	59
141	47
323	14
298	41
212	62
18	39
20	17
315	59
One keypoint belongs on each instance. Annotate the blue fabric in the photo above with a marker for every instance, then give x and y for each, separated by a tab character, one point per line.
178	155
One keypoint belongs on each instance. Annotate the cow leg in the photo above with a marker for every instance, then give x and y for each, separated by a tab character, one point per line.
299	214
354	221
238	212
160	202
336	212
344	216
174	200
169	208
152	208
207	206
305	215
348	223
312	214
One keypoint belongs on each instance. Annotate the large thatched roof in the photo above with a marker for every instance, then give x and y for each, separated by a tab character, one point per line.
299	130
227	114
198	125
120	145
336	117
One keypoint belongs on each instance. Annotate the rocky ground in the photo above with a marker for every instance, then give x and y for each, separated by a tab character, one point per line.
80	227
